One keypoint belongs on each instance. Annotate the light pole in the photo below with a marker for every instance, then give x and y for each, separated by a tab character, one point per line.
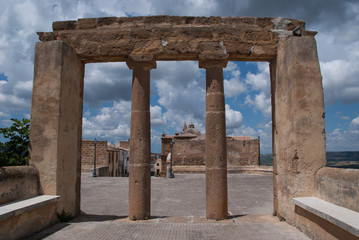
94	160
171	172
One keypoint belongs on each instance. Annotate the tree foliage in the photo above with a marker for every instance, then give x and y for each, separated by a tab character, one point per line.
15	151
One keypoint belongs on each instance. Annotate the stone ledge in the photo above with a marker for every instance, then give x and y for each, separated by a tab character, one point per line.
20	207
339	216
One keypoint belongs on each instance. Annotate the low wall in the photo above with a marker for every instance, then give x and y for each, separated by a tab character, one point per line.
102	172
191	152
259	170
338	186
18	183
27	223
335	185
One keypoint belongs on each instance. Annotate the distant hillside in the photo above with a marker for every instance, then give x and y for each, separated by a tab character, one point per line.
266	160
343	159
334	159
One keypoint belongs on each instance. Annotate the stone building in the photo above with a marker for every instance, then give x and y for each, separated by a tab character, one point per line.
111	160
188	149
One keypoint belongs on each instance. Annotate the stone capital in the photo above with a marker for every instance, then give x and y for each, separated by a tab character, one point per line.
213	60
143	61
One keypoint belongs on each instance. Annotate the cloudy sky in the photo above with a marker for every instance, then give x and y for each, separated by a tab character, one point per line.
178	88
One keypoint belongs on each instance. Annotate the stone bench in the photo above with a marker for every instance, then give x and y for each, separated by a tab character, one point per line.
339	216
20	207
23	217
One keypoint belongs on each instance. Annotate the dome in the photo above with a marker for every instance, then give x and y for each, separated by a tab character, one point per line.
191	130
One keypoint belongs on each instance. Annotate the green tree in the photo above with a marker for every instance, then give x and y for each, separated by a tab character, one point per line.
15	151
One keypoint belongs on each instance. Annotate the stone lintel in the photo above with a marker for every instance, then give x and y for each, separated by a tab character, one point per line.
144	61
212	60
173	38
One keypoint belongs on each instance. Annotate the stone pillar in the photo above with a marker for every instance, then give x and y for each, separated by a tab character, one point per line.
298	122
216	147
139	203
56	122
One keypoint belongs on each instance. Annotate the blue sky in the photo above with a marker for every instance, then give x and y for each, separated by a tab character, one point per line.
178	88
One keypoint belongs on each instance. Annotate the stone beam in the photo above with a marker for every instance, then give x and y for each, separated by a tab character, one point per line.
173	38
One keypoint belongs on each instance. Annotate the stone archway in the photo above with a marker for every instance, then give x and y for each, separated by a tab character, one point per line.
297	99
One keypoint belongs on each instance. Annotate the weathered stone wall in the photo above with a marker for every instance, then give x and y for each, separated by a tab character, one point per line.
338	186
242	152
190	151
298	122
87	155
125	144
18	183
56	122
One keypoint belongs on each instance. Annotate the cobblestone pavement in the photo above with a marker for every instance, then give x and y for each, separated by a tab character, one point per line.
178	209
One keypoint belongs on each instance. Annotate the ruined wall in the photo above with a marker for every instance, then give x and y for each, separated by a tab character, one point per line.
87	155
242	152
190	151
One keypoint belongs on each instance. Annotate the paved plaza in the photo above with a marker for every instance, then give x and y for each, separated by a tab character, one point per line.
177	209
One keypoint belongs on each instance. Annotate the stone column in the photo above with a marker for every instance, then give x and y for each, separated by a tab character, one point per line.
139	203
56	122
298	122
216	147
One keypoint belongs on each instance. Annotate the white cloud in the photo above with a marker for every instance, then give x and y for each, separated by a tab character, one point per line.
340	81
156	116
355	123
261	80
343	140
4	115
180	88
261	103
233	118
107	82
234	86
110	123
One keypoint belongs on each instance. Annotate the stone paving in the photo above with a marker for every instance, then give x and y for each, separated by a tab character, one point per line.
178	210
